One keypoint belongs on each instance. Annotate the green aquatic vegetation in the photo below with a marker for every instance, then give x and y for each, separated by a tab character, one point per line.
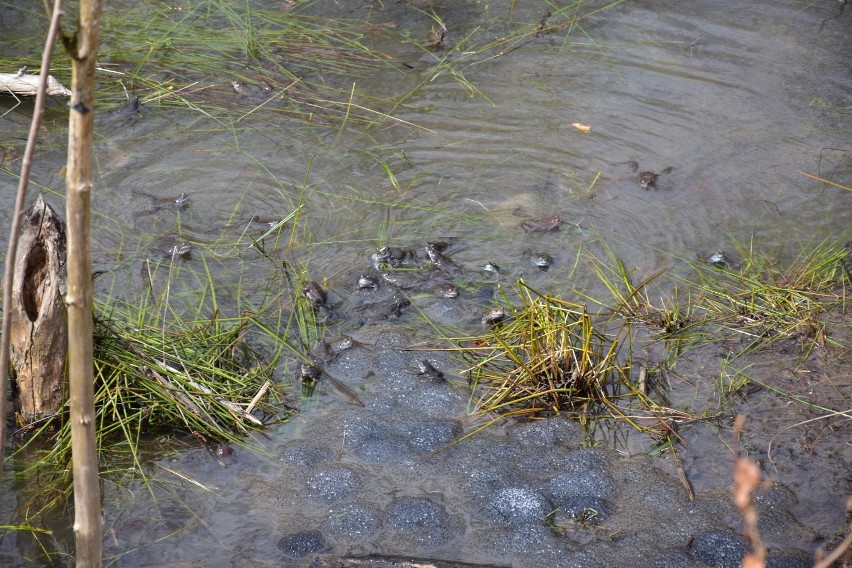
294	62
160	370
763	301
673	315
191	55
550	355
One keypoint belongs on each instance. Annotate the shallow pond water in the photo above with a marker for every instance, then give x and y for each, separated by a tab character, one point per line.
740	100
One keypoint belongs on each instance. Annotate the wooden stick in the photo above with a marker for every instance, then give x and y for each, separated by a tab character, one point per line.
88	520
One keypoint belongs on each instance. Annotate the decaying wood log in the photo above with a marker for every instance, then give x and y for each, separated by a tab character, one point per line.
39	334
22	83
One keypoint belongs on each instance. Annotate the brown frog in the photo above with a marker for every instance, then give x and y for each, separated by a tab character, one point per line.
541	260
403	279
310	375
648	178
169	247
158	204
447	290
252	91
493	316
316	295
440	260
436	38
541	225
322	352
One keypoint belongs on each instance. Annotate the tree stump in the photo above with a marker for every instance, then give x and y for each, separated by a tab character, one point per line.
39	331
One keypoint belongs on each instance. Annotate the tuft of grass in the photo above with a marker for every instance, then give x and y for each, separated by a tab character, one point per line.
765	302
195	375
548	355
551	355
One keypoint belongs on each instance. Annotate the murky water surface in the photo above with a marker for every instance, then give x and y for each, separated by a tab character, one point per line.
740	99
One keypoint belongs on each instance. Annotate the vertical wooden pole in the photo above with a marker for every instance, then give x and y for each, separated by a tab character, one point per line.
88	526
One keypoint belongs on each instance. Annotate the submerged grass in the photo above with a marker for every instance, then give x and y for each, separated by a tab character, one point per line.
191	55
294	62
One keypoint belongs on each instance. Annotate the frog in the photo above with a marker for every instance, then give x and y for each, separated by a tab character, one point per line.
180	201
129	108
718	259
246	90
441	261
491	267
169	247
158	204
647	179
366	282
322	352
542	224
447	290
404	279
439	246
258	222
384	310
393	257
310	374
223	453
541	260
428	370
316	295
493	315
182	250
436	38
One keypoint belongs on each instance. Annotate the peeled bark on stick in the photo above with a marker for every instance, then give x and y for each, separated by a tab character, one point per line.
88	523
39	332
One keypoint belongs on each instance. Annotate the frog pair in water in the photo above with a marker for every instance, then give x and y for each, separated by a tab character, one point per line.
393	257
405	259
